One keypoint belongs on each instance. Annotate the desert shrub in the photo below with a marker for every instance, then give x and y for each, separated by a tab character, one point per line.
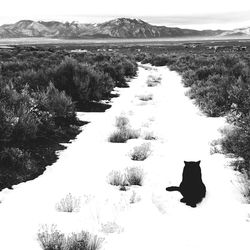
236	141
7	122
82	241
15	163
121	122
131	176
134	176
118	136
94	242
212	95
50	238
117	178
145	98
26	127
81	81
153	81
111	227
123	135
36	115
149	135
68	204
140	153
56	102
14	159
189	78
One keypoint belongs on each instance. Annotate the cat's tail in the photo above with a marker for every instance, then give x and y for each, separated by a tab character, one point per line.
173	189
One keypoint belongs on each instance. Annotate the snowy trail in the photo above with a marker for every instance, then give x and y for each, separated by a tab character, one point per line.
158	220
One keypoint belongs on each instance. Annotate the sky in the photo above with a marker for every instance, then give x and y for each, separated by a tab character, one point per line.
199	14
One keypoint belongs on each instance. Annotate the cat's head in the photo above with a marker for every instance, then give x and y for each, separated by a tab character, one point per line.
192	169
192	163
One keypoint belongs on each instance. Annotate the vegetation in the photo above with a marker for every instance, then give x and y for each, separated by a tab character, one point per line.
149	135
52	239
123	135
140	153
82	241
124	132
146	97
153	81
131	176
121	122
117	178
40	90
134	176
219	82
68	204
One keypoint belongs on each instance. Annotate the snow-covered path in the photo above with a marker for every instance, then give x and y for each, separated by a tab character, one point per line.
157	220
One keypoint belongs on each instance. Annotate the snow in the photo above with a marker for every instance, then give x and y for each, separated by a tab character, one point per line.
156	220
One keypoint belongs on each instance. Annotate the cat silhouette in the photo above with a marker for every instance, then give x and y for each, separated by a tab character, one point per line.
192	188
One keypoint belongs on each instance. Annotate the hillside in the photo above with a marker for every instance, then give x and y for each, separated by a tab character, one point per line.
117	28
237	32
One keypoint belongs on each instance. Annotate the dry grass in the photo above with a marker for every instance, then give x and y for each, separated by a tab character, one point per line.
146	97
149	135
116	178
68	204
111	227
50	238
124	132
131	176
153	81
121	122
140	153
134	176
123	135
82	241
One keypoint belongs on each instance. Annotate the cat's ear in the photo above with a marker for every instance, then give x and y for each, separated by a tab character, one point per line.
185	162
198	162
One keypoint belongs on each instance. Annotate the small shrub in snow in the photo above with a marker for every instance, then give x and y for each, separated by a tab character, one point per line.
145	97
149	136
82	241
94	243
121	122
140	153
122	135
134	176
68	204
116	178
153	81
111	227
50	238
132	134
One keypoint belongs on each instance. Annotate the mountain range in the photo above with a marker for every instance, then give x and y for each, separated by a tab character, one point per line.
117	28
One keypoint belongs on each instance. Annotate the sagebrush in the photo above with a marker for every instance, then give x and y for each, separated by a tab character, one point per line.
140	153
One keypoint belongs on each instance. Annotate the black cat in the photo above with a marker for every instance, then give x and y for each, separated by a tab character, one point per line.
192	188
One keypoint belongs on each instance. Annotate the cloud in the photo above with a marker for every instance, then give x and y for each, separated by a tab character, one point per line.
210	20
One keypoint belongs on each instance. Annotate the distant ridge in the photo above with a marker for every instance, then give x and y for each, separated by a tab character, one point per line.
117	28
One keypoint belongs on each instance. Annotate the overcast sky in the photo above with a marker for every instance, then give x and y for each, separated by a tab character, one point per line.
182	13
